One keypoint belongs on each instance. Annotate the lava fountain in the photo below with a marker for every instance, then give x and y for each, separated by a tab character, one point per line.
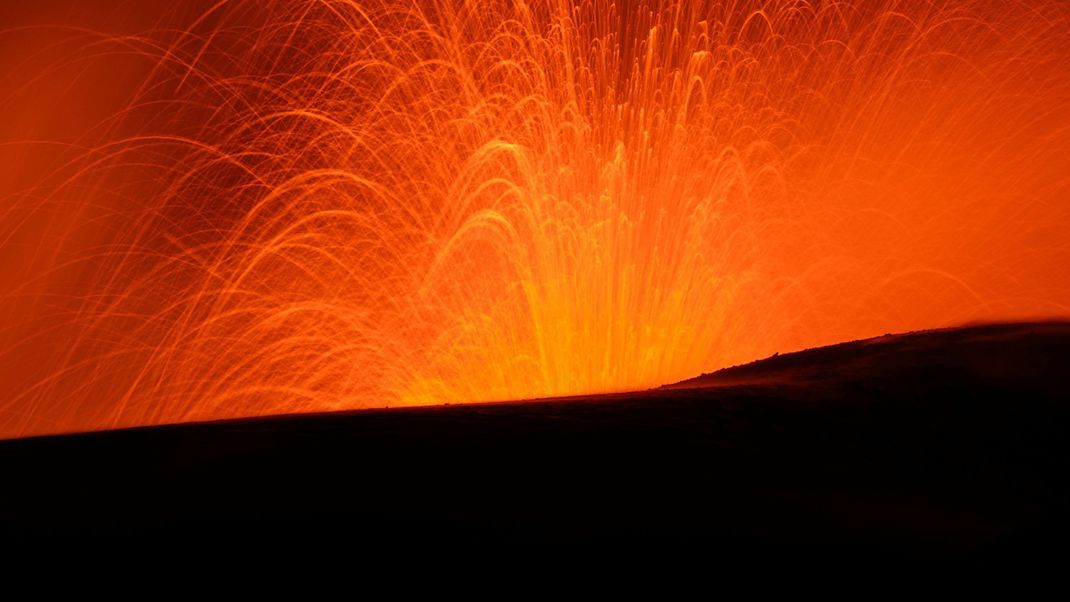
239	208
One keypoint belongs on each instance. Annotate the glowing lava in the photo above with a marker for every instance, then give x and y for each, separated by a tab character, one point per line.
260	207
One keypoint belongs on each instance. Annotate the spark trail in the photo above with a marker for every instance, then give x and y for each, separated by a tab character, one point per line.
263	207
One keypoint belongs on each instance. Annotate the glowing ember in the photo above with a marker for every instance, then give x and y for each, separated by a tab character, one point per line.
308	205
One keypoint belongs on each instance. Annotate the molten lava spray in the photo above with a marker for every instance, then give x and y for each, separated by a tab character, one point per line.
246	207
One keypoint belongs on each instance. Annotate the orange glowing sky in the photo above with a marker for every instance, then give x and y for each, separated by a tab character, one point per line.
237	207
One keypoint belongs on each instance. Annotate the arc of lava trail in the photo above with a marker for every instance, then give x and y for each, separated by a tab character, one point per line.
335	204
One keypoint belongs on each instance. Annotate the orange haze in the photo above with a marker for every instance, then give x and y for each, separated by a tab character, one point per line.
240	207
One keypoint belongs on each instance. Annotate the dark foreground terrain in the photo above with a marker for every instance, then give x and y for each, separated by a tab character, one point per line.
935	446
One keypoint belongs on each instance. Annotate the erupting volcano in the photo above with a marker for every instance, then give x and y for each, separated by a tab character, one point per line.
235	208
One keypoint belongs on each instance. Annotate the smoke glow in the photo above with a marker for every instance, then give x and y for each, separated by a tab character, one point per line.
234	208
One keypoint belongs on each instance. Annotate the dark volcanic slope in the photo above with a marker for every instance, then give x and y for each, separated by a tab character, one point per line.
945	444
1022	357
